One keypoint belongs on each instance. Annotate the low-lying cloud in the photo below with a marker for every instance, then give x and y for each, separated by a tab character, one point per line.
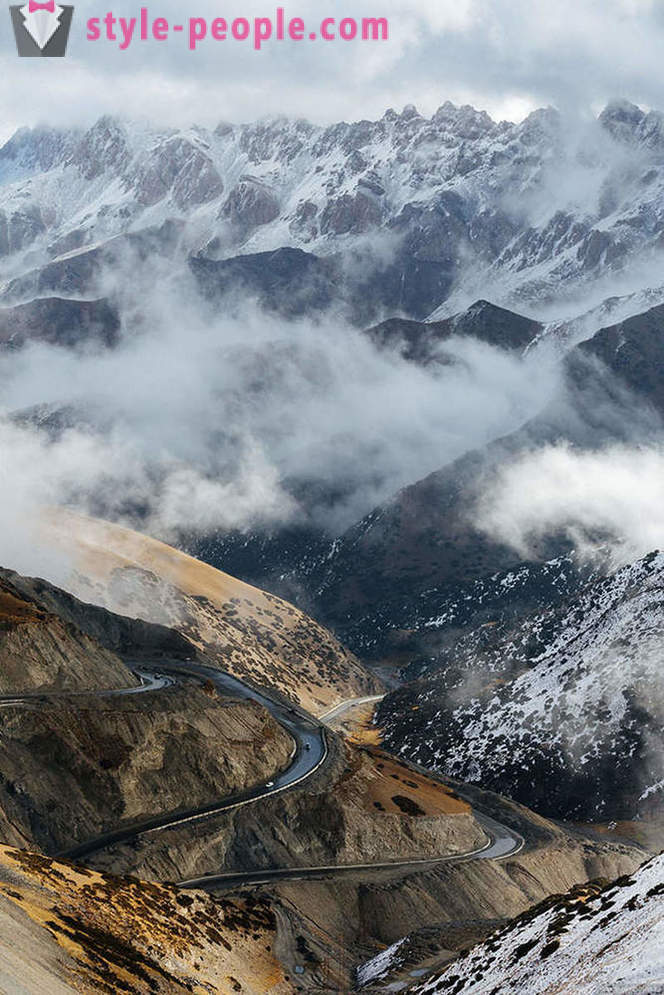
614	494
111	476
195	425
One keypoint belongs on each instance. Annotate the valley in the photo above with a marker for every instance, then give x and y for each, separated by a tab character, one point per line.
331	583
361	815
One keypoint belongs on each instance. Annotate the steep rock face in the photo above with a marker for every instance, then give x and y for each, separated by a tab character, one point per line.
74	769
19	229
593	939
73	765
103	147
179	167
564	711
68	930
251	204
39	650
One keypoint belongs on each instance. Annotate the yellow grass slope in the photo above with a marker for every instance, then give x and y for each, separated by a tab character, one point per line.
65	929
244	630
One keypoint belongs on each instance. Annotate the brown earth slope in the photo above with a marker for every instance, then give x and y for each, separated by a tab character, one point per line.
254	635
78	768
66	930
346	921
334	924
362	808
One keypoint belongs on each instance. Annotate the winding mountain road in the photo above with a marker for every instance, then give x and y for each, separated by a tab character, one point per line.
502	842
310	753
149	682
345	706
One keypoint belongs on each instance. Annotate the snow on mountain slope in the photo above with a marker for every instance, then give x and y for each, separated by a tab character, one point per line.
563	334
565	712
432	625
529	210
378	967
590	941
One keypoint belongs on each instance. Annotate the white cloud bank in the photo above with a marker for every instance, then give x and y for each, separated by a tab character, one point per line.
617	493
507	56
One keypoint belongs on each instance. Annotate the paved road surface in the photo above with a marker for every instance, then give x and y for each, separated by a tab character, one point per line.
309	754
502	842
149	682
345	706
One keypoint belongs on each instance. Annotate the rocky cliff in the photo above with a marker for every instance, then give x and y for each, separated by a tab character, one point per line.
40	650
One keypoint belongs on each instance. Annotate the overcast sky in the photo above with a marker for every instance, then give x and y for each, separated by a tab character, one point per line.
507	56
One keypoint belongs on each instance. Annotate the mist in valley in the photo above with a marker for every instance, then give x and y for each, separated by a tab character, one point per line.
197	423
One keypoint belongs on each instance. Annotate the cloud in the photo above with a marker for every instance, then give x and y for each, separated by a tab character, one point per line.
507	56
196	422
112	476
615	493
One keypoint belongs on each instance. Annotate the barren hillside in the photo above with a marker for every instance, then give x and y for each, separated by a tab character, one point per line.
252	634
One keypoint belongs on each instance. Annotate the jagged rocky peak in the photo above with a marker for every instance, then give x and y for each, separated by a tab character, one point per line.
103	147
179	165
460	196
541	126
280	139
223	129
622	118
37	149
465	121
630	125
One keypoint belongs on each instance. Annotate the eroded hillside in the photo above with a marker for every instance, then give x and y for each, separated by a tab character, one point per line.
365	808
73	769
39	650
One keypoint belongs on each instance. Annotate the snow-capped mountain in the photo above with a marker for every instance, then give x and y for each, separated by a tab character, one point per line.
535	211
565	711
593	940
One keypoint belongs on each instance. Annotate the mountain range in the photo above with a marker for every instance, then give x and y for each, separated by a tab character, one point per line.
411	214
388	397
